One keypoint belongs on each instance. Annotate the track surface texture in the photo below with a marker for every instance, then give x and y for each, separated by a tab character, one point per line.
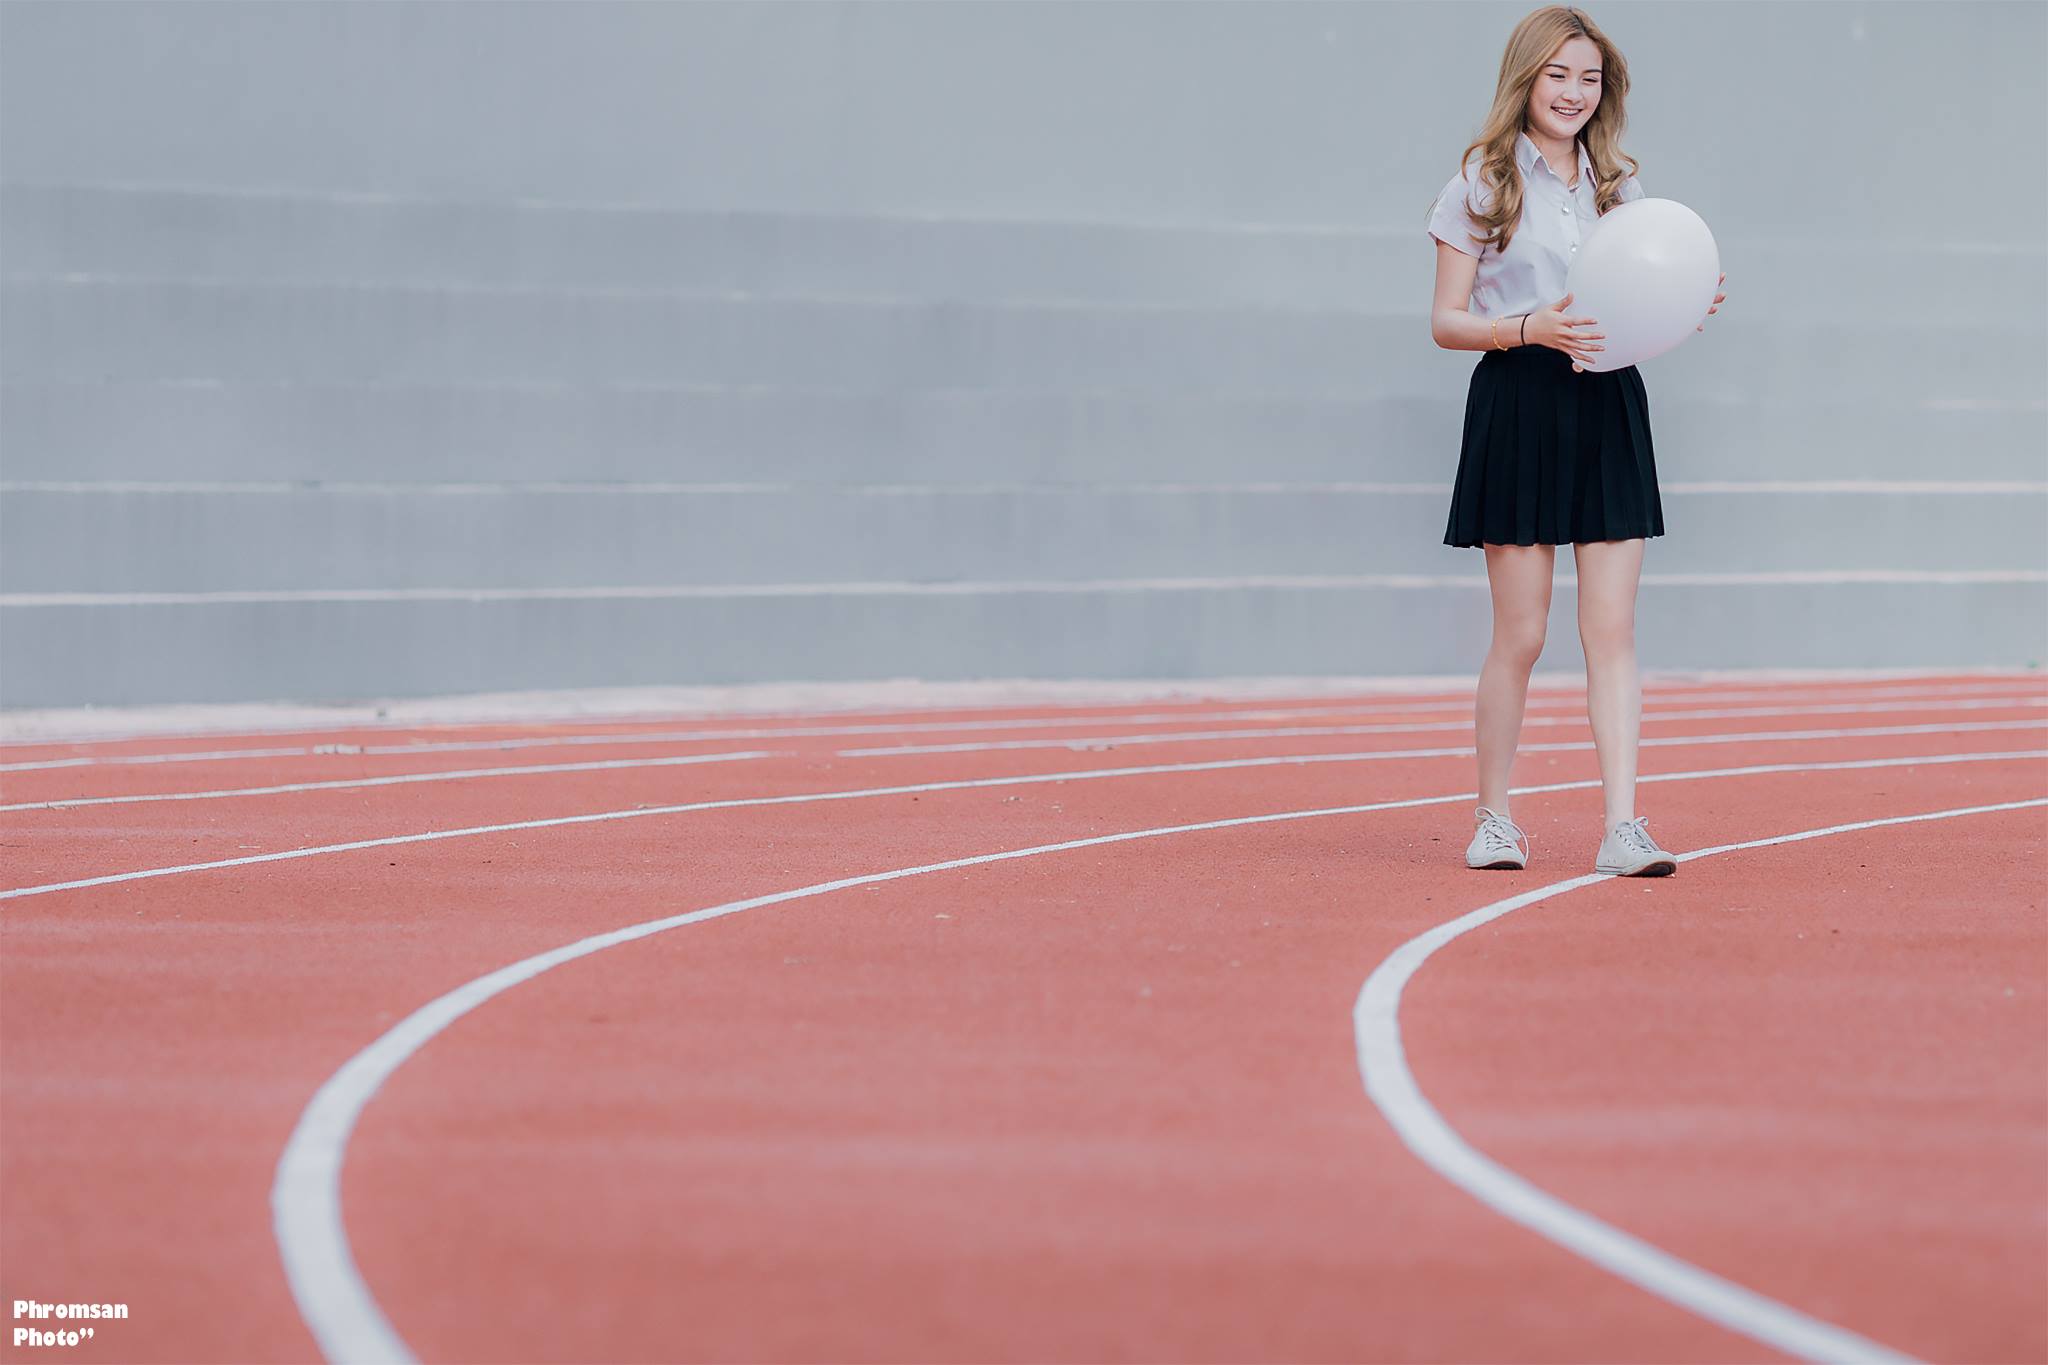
1029	1032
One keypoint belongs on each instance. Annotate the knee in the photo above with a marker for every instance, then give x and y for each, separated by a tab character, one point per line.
1519	642
1604	635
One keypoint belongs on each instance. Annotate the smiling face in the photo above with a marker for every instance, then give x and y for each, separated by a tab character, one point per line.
1567	90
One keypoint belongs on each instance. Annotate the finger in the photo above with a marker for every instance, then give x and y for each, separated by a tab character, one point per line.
1589	336
1564	303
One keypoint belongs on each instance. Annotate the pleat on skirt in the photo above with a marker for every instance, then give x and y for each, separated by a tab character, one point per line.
1551	457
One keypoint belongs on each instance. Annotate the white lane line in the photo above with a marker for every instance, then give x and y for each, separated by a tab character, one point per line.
1452	698
726	732
977	587
1419	727
1383	1066
393	780
724	591
305	1196
76	728
1652	710
1100	742
723	732
1022	779
819	701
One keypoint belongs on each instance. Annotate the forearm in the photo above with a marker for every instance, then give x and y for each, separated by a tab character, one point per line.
1458	329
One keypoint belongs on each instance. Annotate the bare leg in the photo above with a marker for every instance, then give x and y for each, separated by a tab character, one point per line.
1609	571
1519	576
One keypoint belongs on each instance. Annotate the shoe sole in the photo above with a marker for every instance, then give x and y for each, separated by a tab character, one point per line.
1659	867
1503	865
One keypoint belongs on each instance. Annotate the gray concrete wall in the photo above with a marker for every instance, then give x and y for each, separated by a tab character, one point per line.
375	350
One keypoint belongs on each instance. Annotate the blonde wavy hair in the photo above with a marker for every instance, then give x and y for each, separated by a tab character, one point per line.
1530	47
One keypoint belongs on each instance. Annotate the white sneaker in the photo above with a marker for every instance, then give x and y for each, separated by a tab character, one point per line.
1499	842
1629	851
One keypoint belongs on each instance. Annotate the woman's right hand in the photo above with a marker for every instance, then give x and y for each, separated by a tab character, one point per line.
1551	327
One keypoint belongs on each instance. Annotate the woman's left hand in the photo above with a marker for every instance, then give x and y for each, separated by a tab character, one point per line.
1715	307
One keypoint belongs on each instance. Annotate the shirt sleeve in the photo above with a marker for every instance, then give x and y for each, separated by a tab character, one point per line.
1451	221
1631	190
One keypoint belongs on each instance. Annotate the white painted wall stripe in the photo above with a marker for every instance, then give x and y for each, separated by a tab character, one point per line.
306	1208
473	774
1383	1066
984	587
800	392
638	488
1897	248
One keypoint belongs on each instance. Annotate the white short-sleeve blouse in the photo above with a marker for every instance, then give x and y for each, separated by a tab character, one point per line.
1555	218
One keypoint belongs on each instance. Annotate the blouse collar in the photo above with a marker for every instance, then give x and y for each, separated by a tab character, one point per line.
1528	155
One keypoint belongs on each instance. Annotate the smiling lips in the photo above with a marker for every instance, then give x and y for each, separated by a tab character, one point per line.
1566	113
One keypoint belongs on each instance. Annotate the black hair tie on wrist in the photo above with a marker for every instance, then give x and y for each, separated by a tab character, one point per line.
1525	329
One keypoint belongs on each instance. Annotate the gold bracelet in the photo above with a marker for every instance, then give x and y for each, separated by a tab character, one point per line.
1496	336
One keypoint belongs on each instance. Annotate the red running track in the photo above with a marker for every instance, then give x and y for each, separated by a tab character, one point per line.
1097	1103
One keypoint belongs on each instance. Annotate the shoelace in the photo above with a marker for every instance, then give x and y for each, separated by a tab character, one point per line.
1637	836
1495	830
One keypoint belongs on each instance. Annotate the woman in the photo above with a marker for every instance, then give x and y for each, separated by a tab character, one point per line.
1553	454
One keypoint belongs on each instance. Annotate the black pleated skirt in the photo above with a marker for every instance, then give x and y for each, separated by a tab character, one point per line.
1551	457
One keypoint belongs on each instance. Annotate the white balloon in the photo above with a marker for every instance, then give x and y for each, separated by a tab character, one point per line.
1647	272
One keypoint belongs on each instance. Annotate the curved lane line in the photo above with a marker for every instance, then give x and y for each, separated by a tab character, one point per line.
1076	743
305	1197
1029	779
1383	1065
